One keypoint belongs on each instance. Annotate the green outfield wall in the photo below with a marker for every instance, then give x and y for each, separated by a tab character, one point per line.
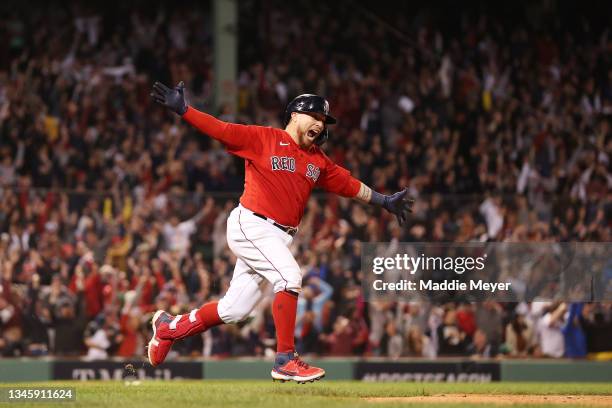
21	369
555	370
442	370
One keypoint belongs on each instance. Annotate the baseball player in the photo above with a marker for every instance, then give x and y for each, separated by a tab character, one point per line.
282	166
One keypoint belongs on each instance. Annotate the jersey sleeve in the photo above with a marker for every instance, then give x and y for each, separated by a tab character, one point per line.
336	179
242	140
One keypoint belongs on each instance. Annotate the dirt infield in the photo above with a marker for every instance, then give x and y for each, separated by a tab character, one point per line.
504	399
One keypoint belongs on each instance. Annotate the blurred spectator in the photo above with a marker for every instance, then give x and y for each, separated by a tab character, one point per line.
416	344
37	319
340	341
489	319
177	234
69	323
315	294
550	330
97	344
574	338
596	321
519	334
466	319
392	342
480	346
452	341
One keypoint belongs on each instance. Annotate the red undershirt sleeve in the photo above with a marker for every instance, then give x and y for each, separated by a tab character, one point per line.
242	140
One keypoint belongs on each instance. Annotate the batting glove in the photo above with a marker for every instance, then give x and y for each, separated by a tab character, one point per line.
173	99
398	204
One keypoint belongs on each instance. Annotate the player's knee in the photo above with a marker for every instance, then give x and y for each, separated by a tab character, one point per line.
233	312
290	283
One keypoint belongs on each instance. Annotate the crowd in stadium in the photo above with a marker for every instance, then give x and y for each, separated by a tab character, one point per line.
111	208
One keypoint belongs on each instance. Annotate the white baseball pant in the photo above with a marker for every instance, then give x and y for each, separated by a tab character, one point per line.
263	256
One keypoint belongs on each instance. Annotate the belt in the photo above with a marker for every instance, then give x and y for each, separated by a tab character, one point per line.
289	230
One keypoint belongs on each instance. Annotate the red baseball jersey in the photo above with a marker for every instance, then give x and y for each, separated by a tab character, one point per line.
279	175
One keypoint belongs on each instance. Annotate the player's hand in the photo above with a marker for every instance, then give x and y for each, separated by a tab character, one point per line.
173	99
399	204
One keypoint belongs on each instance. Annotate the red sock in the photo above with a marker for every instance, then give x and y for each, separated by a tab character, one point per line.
189	325
284	309
209	315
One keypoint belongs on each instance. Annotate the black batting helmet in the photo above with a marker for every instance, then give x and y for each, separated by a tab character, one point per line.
306	103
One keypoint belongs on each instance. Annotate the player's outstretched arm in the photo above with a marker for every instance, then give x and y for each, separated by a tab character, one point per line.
239	139
399	204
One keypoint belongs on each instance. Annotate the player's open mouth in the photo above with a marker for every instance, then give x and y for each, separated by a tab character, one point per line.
312	134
